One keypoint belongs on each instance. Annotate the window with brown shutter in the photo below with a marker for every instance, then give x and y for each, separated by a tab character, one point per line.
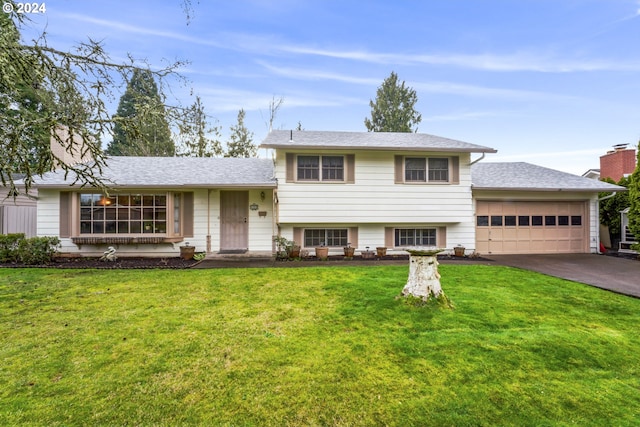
426	170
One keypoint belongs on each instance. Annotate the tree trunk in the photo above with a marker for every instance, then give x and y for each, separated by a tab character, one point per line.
424	279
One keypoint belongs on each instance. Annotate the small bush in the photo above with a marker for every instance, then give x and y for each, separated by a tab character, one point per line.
35	250
8	246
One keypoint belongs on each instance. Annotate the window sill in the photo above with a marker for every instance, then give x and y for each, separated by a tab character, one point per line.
426	182
124	240
311	181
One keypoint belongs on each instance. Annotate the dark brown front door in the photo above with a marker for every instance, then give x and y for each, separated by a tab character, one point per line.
234	226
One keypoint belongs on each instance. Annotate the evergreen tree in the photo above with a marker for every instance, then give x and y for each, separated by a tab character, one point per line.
141	127
32	104
241	140
634	202
52	96
610	207
193	133
394	108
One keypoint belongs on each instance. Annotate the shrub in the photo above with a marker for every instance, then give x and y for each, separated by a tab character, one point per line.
8	246
37	250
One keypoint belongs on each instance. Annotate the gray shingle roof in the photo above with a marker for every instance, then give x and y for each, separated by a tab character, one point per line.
528	177
178	172
368	141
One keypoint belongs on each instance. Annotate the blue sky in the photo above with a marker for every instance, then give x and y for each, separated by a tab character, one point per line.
550	82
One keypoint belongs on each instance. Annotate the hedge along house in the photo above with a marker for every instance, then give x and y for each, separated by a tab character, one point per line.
156	204
393	190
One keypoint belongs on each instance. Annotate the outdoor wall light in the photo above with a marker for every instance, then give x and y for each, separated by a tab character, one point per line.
262	196
253	206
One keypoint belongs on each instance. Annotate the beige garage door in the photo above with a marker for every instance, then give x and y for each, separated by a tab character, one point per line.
531	227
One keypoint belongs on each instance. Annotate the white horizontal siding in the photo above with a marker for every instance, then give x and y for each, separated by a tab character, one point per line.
374	197
48	213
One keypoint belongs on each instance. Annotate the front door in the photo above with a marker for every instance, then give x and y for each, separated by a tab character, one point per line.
234	226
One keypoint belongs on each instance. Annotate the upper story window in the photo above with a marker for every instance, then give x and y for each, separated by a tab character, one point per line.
423	169
320	168
428	170
308	168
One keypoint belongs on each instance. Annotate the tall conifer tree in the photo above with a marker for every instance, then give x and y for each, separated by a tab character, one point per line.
141	127
241	140
394	108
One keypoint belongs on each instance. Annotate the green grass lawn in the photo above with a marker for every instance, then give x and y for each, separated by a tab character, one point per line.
313	346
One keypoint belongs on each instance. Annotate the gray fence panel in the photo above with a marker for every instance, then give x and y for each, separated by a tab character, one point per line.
18	219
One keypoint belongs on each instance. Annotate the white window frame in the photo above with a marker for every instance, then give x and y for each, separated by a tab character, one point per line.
427	171
397	237
325	240
169	215
321	168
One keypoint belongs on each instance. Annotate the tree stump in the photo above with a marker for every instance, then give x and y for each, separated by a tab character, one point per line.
424	279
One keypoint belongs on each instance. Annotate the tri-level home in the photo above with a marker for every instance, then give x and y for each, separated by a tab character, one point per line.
395	190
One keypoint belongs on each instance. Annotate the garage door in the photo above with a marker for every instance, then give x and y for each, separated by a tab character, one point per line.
531	227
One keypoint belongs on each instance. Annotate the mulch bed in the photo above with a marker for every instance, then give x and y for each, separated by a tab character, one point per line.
120	263
179	263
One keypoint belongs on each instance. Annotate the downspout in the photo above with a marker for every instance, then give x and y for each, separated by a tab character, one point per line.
275	226
208	220
598	210
478	159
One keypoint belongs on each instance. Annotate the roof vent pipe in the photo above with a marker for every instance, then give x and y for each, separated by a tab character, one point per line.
291	136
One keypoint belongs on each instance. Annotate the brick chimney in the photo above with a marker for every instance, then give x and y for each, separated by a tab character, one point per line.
619	162
60	143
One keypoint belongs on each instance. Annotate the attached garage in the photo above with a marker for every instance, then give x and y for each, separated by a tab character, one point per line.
522	208
532	227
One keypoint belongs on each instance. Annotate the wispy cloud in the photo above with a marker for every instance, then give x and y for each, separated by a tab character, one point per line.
612	25
467	115
311	74
226	100
561	155
521	61
487	92
430	87
131	29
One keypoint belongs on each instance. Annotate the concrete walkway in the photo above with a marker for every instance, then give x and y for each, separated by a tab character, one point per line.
619	275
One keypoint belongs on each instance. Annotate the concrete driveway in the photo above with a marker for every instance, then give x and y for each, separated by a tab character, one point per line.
615	274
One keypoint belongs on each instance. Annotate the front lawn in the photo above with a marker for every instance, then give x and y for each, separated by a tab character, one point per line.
313	346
